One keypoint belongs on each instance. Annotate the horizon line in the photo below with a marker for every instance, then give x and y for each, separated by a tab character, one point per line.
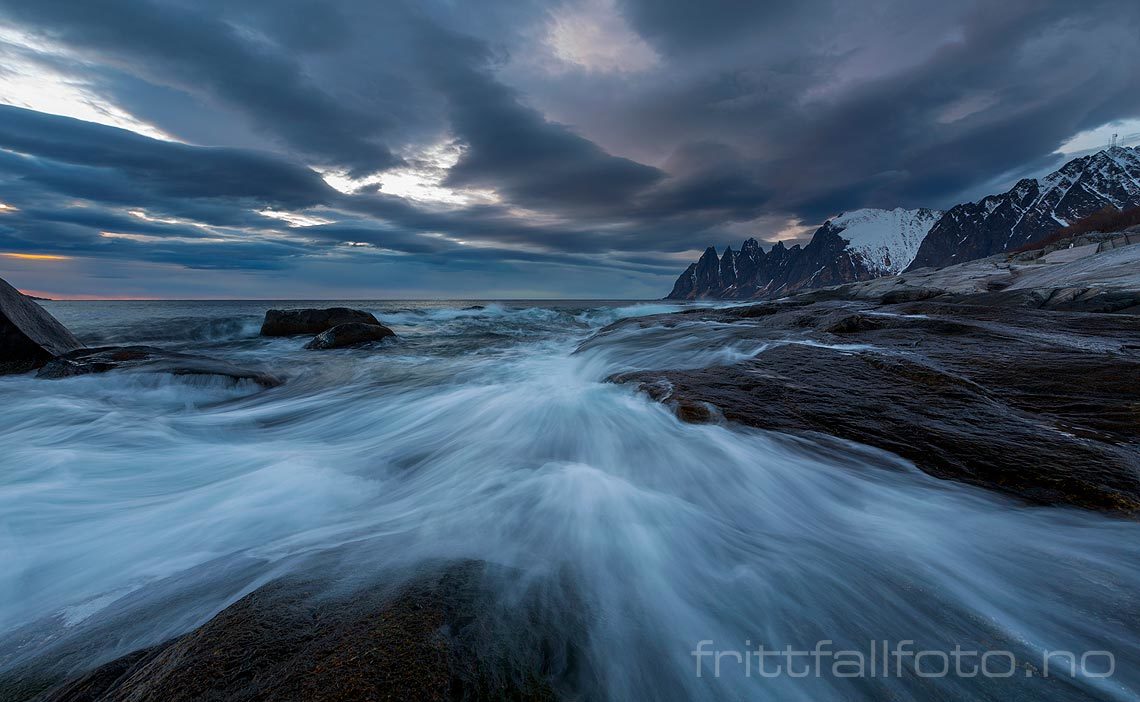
43	298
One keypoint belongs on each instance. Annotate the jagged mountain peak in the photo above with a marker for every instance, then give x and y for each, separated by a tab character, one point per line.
855	245
869	243
1033	208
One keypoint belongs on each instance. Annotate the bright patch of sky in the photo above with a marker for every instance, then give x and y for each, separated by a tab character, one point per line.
35	257
29	82
421	180
769	229
1099	138
295	219
153	239
147	217
593	35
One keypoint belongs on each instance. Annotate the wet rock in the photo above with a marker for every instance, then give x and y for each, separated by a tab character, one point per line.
349	335
950	425
437	638
1076	299
850	323
695	412
29	336
148	359
754	311
903	294
993	389
311	320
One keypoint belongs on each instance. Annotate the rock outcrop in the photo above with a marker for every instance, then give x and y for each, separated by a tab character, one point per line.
29	336
438	638
967	391
312	320
148	359
1018	375
350	334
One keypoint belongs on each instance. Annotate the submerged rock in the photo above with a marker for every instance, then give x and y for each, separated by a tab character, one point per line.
312	320
29	336
349	335
148	359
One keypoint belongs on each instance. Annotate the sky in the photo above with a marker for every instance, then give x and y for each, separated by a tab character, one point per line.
309	149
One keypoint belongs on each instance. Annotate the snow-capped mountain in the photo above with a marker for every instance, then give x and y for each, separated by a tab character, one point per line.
857	245
885	240
1032	209
871	243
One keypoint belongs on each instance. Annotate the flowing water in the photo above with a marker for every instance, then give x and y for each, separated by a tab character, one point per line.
481	434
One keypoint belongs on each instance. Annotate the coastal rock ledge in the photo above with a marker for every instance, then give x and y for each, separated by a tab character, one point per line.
1017	377
436	637
149	359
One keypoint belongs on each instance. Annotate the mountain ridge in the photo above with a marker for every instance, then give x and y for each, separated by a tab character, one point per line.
857	245
869	243
1033	208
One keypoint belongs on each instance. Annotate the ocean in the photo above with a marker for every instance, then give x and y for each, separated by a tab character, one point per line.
147	503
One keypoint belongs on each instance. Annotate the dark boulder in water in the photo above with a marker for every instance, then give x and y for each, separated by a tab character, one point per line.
29	336
311	320
148	359
349	335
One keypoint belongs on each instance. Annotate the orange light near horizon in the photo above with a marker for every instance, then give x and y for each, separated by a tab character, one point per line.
79	297
35	257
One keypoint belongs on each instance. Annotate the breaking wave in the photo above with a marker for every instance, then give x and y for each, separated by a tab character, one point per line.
489	434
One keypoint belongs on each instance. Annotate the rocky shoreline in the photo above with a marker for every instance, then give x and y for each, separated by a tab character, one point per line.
31	339
434	634
1013	375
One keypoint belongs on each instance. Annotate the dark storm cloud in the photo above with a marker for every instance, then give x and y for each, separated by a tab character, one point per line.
681	25
47	159
1016	82
80	188
712	183
165	168
514	149
734	115
1005	85
180	45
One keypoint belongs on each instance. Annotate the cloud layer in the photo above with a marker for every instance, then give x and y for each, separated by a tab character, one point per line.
511	148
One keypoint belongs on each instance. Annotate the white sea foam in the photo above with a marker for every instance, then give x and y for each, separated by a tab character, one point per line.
479	434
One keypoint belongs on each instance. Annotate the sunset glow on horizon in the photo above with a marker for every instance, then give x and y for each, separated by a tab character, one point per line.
36	257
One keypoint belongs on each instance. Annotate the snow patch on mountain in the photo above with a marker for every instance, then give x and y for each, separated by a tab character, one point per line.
885	240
